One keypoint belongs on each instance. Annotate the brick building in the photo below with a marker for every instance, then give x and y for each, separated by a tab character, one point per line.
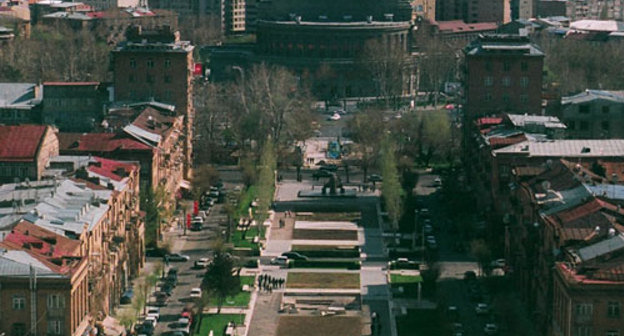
594	114
43	284
25	151
157	66
498	11
73	106
503	74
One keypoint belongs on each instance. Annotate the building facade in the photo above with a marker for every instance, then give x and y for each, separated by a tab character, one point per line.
503	74
158	66
20	103
498	11
73	106
594	114
25	151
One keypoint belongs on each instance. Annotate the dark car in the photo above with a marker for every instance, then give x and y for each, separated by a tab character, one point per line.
177	257
321	173
329	167
127	296
155	252
294	256
196	226
375	178
171	280
147	328
167	288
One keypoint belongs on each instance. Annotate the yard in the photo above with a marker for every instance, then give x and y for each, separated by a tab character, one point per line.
242	298
323	280
317	325
217	323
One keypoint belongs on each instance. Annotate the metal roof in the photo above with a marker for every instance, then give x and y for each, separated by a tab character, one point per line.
18	94
566	148
18	263
603	247
523	120
590	95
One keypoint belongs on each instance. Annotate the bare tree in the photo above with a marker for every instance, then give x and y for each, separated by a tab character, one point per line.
389	67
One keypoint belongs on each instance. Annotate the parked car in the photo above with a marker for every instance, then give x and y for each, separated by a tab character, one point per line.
329	167
375	178
127	296
428	228
334	117
490	329
431	242
482	309
151	319
321	173
147	328
153	312
294	256
161	301
198	219
196	293
167	288
437	182
196	226
155	252
188	315
499	263
177	257
201	263
282	261
403	263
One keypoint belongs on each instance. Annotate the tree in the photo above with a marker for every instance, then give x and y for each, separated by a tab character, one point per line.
203	177
437	64
367	130
200	30
148	205
212	119
389	67
220	280
391	187
480	250
266	183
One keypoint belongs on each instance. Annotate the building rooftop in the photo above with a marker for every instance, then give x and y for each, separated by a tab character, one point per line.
20	143
598	25
525	120
18	95
497	44
565	148
590	95
98	142
459	26
151	126
28	236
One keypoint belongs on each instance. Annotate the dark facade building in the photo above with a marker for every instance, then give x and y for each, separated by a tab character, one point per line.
322	37
73	106
474	11
503	74
157	65
594	114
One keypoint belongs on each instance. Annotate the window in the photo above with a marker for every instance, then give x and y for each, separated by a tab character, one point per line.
167	79
605	109
19	302
56	301
506	98
524	66
167	63
506	81
584	108
19	329
613	307
55	327
524	82
132	63
584	126
506	65
613	333
489	81
150	63
571	124
584	309
605	127
149	78
583	331
524	99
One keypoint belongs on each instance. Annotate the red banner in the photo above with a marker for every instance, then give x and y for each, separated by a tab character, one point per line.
198	70
195	208
188	221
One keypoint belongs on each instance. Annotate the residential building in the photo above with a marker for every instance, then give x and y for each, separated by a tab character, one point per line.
594	114
106	4
595	9
503	75
423	10
234	19
73	106
42	293
474	11
20	103
550	126
459	30
157	66
25	151
548	8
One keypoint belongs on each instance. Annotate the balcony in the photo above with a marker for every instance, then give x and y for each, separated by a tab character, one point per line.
55	313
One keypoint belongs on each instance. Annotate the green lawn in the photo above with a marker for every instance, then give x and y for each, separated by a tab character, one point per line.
331	216
242	298
323	280
217	323
405	279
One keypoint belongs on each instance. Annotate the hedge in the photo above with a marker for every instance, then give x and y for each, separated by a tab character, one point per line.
352	265
330	253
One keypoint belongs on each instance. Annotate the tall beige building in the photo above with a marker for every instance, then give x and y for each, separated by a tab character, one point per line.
423	10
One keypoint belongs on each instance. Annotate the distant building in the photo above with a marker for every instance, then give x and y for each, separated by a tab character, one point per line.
73	106
20	103
25	151
106	4
594	114
548	8
474	11
595	9
423	10
157	65
459	30
503	74
234	20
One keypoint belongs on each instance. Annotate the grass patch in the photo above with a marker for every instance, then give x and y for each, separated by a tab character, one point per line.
242	298
317	325
323	280
217	323
420	322
405	279
331	216
325	234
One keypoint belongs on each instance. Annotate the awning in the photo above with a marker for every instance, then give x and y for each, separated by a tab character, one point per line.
184	184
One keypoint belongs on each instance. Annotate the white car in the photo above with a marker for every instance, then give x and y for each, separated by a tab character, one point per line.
482	308
431	240
428	228
490	329
334	117
196	293
281	260
501	263
153	312
151	319
198	219
202	263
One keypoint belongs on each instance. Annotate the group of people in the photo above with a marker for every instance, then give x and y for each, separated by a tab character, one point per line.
269	283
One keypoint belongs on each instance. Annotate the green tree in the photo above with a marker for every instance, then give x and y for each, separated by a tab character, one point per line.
266	183
220	280
391	187
148	205
367	130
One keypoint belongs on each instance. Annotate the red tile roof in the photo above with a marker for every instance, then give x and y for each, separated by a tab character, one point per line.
70	83
459	26
29	236
98	142
489	121
497	142
109	168
20	143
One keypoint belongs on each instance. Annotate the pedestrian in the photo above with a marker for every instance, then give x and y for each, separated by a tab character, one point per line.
282	281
